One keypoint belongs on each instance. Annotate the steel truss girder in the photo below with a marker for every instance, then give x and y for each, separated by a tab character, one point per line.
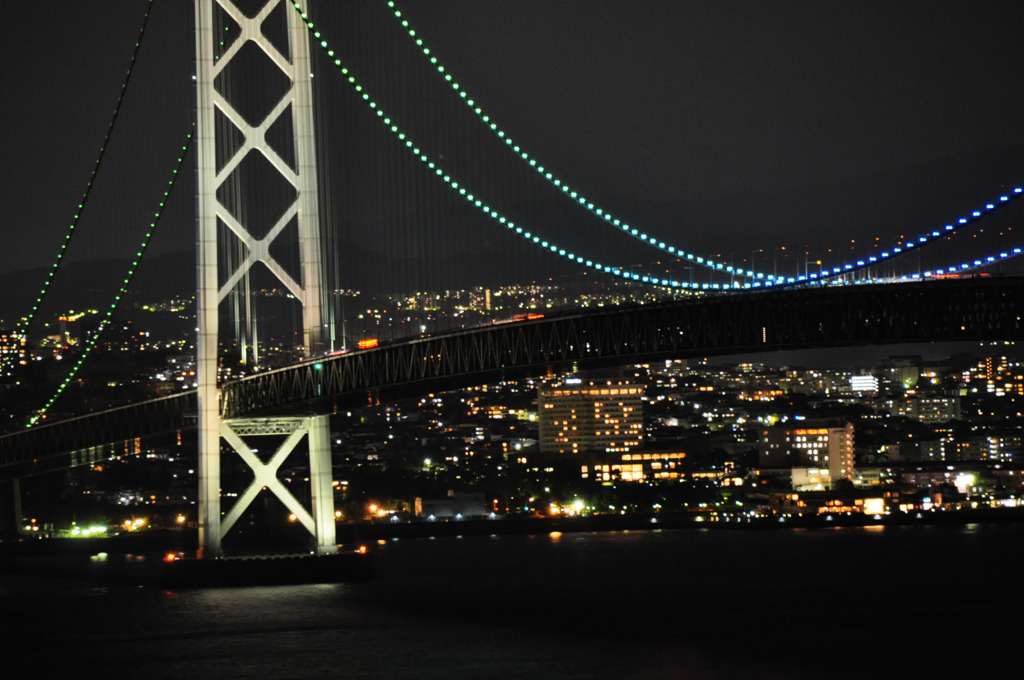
94	437
984	309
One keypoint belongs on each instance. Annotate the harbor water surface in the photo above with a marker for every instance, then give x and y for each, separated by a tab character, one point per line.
921	601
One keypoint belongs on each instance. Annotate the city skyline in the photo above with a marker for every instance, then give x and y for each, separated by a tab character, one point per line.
741	54
533	469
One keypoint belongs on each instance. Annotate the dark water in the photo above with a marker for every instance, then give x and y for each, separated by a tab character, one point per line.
918	602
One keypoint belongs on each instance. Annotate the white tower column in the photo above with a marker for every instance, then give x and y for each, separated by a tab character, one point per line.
214	54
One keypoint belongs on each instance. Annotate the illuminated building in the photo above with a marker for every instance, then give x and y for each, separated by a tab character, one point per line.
998	376
810	479
598	417
639	467
12	347
902	371
863	383
824	446
927	409
1003	447
848	502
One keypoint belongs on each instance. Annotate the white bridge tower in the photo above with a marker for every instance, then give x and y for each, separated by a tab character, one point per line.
255	130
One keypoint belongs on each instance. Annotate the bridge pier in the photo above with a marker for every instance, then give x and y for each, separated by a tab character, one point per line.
10	508
318	519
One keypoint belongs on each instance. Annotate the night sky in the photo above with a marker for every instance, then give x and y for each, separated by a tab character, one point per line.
723	126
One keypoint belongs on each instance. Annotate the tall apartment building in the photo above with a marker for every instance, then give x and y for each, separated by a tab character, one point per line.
819	444
590	418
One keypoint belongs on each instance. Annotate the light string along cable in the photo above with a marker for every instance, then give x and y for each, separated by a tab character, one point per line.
91	343
25	321
922	240
558	182
769	279
953	270
620	272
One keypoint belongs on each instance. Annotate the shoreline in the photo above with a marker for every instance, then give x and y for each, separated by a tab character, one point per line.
636	522
349	534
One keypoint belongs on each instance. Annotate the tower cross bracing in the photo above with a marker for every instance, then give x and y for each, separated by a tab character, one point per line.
296	103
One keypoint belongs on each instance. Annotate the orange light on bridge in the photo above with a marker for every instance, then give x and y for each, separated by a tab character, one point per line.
369	343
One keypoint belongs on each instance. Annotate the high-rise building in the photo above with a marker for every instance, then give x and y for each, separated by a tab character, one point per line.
12	348
821	445
593	417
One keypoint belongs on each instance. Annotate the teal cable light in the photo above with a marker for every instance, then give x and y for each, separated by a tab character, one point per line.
91	344
563	186
769	280
620	272
821	277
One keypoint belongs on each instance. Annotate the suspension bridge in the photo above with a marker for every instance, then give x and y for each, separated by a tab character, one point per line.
277	212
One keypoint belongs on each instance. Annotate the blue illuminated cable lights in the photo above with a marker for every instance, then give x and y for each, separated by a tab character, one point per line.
903	247
467	195
559	183
26	321
823	276
768	279
965	267
91	343
949	271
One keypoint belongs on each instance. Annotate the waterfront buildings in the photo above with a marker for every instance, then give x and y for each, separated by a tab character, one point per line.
819	452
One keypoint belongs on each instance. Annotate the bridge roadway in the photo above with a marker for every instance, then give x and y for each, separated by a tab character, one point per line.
980	309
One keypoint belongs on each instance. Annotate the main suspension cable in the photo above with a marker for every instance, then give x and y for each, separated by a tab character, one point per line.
91	343
24	322
769	279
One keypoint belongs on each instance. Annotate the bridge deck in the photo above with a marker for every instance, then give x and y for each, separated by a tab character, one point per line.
984	309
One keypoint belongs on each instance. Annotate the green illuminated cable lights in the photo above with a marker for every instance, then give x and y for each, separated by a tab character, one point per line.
91	344
467	195
767	279
761	280
563	186
26	321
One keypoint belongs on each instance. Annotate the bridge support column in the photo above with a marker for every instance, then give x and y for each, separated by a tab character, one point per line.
10	508
236	164
322	485
318	519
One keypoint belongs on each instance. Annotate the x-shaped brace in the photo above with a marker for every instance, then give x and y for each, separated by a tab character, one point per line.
264	477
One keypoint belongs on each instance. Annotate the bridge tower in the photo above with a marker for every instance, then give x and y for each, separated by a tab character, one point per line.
273	132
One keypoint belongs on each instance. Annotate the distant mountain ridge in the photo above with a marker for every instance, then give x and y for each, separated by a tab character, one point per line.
88	284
